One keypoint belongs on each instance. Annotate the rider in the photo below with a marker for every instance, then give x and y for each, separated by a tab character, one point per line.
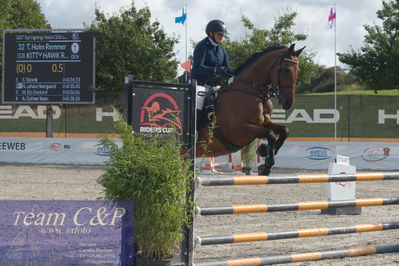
210	58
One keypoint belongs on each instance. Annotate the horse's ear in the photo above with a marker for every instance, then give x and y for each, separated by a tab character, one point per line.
291	49
297	53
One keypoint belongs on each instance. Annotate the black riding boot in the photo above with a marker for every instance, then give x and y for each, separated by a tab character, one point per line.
200	118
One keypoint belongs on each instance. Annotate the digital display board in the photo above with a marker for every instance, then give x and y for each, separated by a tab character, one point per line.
48	67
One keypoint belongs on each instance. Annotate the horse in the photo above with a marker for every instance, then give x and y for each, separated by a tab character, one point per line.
244	107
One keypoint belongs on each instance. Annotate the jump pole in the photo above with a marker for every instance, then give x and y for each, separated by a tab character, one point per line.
310	256
300	233
315	178
298	206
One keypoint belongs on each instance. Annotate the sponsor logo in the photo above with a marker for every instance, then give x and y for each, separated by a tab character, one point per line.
12	146
23	111
102	150
55	146
318	153
375	154
344	184
160	114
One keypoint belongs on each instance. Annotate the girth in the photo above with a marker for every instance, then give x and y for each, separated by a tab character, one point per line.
227	144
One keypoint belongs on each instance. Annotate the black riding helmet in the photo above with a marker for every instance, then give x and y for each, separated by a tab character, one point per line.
216	26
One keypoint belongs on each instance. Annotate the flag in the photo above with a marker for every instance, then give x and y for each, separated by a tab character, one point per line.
187	65
182	18
332	17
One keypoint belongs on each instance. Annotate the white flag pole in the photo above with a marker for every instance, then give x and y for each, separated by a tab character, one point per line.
335	73
185	7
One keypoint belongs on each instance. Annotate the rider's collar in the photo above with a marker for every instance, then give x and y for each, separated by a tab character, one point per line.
214	44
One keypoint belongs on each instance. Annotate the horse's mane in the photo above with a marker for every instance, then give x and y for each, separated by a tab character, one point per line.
255	56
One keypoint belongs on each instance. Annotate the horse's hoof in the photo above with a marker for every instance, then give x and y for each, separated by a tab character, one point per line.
269	162
262	150
263	170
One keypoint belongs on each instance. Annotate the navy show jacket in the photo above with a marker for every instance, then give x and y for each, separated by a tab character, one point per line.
206	58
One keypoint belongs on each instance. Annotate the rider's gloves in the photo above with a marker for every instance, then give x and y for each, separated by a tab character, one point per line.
220	70
224	70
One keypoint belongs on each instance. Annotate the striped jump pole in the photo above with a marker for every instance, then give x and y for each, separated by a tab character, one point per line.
310	256
310	232
316	178
298	206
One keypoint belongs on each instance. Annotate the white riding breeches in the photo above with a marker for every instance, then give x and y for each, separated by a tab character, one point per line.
200	95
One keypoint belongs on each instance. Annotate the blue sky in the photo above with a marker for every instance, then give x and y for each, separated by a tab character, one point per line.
311	20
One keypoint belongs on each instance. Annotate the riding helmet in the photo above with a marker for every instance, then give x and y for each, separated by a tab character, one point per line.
216	26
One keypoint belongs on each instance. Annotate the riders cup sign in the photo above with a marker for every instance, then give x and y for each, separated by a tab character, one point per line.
158	111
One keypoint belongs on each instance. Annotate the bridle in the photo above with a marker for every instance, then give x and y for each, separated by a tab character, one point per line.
267	91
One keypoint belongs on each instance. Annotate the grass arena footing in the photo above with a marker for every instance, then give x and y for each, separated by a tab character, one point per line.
299	257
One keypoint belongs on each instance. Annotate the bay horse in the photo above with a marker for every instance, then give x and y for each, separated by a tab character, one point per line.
243	109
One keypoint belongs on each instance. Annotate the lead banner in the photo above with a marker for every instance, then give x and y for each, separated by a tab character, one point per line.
47	233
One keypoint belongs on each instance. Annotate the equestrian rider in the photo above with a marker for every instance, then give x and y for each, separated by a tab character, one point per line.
209	59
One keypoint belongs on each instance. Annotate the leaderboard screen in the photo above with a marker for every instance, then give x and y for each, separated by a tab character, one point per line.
45	67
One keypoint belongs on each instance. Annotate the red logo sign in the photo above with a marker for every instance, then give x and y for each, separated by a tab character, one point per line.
161	114
56	146
375	154
343	184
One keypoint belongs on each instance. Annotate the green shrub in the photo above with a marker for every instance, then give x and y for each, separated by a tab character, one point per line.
156	176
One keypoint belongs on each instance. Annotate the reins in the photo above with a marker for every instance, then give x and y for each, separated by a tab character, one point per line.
266	91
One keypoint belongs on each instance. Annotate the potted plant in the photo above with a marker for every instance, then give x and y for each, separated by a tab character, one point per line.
156	176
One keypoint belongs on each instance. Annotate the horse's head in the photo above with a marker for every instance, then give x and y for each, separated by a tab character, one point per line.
275	69
285	75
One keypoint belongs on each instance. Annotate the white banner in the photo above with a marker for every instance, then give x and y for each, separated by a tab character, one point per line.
53	151
305	155
318	155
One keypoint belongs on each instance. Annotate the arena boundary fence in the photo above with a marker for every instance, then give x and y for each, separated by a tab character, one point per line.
300	233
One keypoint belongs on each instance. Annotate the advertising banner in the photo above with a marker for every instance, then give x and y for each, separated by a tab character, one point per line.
53	151
160	111
293	154
47	233
318	155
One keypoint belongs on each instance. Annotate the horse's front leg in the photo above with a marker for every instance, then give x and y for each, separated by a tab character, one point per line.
282	133
267	151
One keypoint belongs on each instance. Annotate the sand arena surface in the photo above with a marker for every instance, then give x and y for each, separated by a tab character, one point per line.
66	182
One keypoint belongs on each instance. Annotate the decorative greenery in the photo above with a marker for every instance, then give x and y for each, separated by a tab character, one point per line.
156	177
